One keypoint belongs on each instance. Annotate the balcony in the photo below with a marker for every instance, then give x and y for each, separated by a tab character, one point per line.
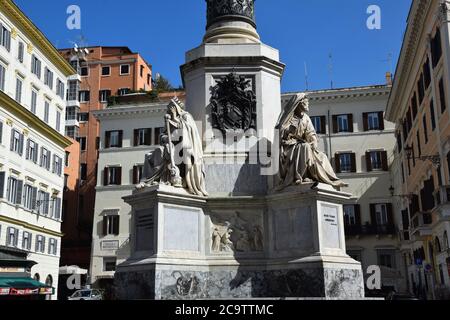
369	230
421	225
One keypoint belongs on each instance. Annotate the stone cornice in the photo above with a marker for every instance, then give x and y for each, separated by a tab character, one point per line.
36	36
415	28
343	94
130	110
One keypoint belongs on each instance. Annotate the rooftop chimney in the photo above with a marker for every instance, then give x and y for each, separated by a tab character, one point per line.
388	78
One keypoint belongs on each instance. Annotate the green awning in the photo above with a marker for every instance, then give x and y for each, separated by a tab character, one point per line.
23	286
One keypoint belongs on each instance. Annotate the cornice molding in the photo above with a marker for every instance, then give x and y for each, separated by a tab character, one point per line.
32	120
416	23
22	22
129	111
30	226
343	94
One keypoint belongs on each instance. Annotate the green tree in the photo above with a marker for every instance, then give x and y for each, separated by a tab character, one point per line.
162	85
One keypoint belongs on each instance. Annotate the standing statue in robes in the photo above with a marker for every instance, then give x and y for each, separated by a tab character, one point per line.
300	161
178	161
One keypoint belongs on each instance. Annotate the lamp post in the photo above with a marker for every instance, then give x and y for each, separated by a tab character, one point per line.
434	159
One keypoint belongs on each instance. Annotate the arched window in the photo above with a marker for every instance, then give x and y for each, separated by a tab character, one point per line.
437	245
37	277
49	281
446	244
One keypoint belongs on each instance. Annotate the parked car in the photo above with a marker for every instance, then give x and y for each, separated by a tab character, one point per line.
86	294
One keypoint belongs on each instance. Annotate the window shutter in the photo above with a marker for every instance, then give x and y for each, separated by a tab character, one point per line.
19	192
366	121
43	244
358	214
16	237
49	155
335	125
350	123
136	137
34	198
119	176
107	139
323	124
27	156
135	175
373	215
381	119
106	176
35	155
390	214
116	225
384	160
1	132
21	142
2	184
368	162
337	162
54	164
58	209
12	139
353	162
29	241
120	138
105	226
33	63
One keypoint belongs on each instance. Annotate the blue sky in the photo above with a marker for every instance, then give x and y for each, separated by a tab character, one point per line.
305	31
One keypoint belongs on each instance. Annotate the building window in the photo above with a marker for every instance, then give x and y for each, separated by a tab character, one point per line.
142	137
36	66
73	91
48	78
26	241
5	37
33	101
20	52
85	96
319	124
149	79
67	158
2	77
111	225
32	151
106	71
113	139
56	208
15	188
113	176
43	201
58	120
84	71
46	111
343	123
442	95
123	91
138	173
83	116
71	113
19	85
60	91
45	158
386	258
373	121
421	89
104	95
142	71
57	165
381	214
377	161
158	133
446	243
83	172
52	246
427	74
350	215
17	142
124	69
12	237
345	162
40	244
109	264
30	196
83	143
433	118
436	48
72	131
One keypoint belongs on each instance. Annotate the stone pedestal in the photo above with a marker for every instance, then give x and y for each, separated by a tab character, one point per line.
288	244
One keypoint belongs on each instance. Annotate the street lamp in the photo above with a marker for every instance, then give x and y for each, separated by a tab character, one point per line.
435	159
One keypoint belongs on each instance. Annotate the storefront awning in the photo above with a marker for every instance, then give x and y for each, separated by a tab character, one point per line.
23	287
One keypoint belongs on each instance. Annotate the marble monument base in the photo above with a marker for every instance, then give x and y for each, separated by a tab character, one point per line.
287	244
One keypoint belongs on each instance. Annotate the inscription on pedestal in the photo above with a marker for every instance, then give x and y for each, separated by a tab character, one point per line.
330	227
181	229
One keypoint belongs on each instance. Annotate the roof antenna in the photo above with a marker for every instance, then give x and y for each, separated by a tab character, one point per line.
330	69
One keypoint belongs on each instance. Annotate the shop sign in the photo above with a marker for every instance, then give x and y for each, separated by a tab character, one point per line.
23	292
4	291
